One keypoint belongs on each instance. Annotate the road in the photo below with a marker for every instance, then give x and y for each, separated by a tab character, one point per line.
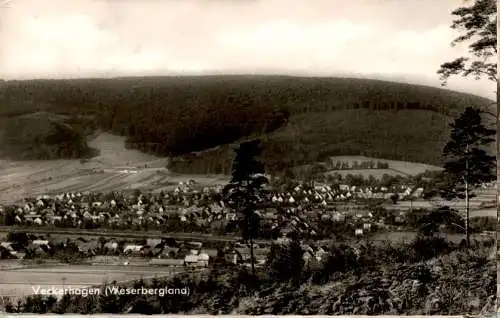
125	234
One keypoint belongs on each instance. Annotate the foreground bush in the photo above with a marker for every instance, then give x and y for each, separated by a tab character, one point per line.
483	223
363	279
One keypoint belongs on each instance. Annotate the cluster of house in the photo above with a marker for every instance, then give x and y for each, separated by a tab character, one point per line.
295	210
75	209
323	194
195	205
156	252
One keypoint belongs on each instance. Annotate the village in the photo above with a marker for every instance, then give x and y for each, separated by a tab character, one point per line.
317	212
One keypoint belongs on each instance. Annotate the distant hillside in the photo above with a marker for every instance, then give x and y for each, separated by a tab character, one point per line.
301	119
407	135
42	136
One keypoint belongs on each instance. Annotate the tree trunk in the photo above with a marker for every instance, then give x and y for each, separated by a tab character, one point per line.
467	213
251	256
467	237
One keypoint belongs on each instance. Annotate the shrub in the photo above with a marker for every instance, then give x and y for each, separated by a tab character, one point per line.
396	252
286	262
483	223
428	223
394	198
427	247
342	258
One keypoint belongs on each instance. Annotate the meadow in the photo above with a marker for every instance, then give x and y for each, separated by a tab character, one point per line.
395	166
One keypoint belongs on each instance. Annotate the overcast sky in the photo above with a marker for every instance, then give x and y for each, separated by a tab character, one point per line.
392	39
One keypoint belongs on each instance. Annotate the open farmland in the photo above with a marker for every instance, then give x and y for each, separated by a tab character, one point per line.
115	169
376	173
395	237
20	282
481	205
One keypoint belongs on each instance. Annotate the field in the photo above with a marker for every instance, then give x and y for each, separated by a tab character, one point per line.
376	173
395	237
20	282
395	167
116	169
475	208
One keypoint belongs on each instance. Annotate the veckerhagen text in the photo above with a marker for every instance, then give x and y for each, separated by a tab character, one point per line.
108	290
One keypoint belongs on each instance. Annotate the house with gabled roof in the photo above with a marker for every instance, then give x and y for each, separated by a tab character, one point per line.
152	242
133	249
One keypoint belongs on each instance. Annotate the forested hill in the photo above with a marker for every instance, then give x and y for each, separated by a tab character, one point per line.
301	119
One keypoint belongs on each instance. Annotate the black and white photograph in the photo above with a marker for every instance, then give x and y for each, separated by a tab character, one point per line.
248	157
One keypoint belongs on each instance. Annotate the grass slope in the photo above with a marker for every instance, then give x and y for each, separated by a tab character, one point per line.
397	167
43	135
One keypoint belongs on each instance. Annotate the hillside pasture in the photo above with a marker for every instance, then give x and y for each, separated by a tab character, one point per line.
396	167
